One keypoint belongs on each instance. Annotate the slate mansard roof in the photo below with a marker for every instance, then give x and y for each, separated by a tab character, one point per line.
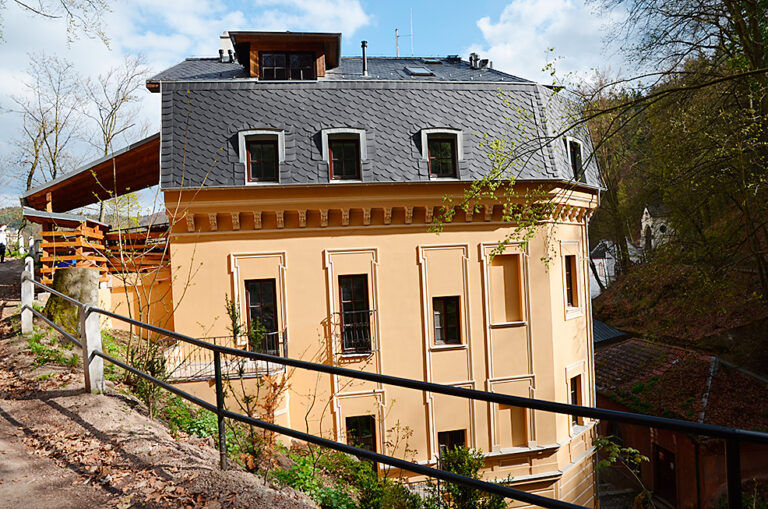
205	103
350	68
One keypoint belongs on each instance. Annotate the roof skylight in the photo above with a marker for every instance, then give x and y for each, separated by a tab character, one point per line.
419	71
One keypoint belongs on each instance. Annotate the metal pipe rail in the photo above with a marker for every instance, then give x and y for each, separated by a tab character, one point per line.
732	436
54	292
490	397
497	489
54	325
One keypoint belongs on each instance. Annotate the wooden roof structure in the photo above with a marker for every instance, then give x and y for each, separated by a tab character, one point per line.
127	170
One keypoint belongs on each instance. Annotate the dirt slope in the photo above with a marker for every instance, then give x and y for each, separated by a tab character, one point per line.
60	447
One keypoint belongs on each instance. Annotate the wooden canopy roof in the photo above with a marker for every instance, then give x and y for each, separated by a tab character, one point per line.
131	169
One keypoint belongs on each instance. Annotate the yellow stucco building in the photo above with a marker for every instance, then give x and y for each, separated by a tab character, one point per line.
302	185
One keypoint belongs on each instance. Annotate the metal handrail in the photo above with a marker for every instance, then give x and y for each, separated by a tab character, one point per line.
710	430
497	489
733	436
54	325
77	303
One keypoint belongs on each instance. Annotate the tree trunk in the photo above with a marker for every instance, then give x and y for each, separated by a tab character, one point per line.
82	284
597	276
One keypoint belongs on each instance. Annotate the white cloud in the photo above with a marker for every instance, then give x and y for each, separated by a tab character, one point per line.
345	16
520	40
164	31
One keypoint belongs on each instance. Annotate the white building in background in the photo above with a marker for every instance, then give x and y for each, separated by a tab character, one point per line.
655	229
605	258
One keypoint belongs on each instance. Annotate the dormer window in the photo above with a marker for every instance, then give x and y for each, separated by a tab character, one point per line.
442	148
573	148
261	152
442	156
262	160
344	149
344	158
287	66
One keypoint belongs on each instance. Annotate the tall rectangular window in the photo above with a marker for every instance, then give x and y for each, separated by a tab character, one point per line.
506	289
262	160
447	320
571	282
361	432
344	159
355	315
261	302
451	439
442	156
287	66
574	157
575	390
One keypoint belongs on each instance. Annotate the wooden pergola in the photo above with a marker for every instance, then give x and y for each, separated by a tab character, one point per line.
71	240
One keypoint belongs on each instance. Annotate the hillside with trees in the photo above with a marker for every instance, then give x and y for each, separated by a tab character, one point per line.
692	137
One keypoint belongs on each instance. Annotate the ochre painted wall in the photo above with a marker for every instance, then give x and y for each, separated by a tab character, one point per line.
518	337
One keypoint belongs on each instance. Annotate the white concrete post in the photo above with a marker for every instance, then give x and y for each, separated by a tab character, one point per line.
27	296
93	365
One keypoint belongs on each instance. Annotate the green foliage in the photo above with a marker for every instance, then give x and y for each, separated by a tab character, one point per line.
356	483
115	349
192	420
466	462
47	350
233	313
611	453
146	355
256	332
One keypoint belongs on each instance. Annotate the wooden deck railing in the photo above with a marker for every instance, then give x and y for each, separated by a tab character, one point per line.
82	246
117	251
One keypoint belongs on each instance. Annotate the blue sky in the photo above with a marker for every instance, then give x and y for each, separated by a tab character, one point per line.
515	34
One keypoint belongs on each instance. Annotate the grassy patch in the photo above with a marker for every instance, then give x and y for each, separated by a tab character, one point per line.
48	350
192	420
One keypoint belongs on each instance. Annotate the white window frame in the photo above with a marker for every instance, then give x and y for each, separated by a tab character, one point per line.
568	140
325	136
573	370
242	138
443	131
570	311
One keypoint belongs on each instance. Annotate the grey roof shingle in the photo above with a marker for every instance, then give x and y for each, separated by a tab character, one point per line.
205	104
350	68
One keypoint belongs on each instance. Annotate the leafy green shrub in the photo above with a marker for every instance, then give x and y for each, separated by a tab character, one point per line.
466	462
181	417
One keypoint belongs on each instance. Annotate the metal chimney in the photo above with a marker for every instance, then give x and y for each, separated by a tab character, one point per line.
473	58
364	44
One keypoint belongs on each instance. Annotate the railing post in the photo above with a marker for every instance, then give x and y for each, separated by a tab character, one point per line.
733	472
27	296
220	410
90	337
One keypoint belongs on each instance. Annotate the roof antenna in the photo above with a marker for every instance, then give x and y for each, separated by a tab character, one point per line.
398	36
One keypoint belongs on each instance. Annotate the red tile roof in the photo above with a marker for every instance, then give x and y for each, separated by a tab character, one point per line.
659	379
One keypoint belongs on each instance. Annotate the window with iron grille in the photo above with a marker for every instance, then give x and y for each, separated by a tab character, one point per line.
442	156
361	432
261	303
344	158
287	66
355	313
262	160
447	322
